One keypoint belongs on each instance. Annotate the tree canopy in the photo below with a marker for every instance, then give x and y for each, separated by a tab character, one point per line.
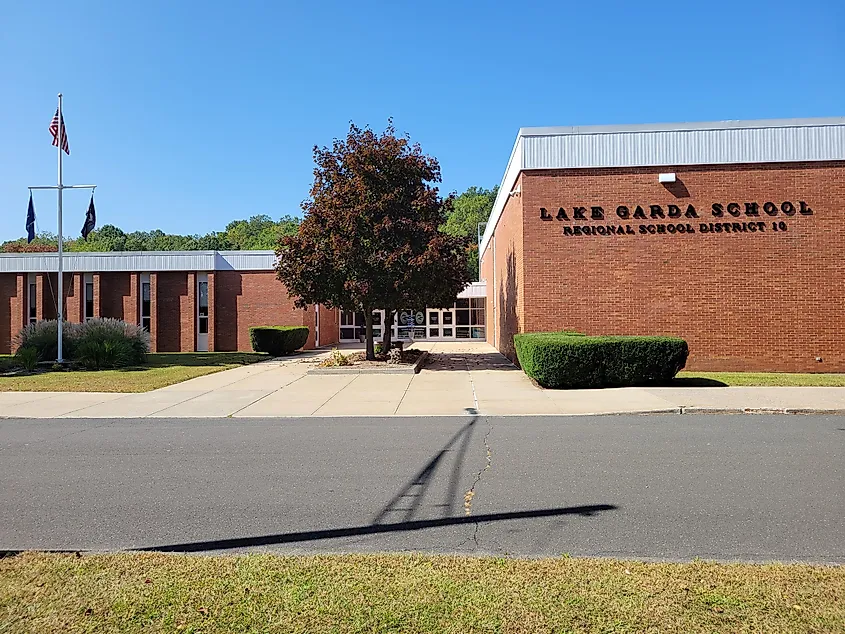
370	237
258	232
469	210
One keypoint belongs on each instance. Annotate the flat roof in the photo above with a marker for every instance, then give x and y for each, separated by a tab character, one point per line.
668	145
731	124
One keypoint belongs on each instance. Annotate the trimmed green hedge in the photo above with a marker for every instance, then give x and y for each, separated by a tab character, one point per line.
278	340
571	360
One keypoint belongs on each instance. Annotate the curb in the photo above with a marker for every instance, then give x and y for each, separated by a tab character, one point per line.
761	410
414	369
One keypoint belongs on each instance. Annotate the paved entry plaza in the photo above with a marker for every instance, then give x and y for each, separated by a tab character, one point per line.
459	378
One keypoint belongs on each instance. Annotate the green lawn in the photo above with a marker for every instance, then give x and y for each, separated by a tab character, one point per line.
408	593
783	379
162	369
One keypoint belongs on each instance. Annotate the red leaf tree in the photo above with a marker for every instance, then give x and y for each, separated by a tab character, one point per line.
370	237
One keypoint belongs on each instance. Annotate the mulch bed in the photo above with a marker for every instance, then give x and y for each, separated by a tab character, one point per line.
358	360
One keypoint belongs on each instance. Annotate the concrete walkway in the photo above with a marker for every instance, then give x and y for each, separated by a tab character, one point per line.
459	378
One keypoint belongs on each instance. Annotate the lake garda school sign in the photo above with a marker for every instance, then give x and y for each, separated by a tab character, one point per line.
750	218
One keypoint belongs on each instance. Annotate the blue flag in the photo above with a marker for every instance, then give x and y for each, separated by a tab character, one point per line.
30	221
90	219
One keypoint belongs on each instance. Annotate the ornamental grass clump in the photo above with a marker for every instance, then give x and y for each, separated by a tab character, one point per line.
94	344
43	336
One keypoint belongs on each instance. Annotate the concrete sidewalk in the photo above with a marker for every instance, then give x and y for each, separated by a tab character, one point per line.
459	378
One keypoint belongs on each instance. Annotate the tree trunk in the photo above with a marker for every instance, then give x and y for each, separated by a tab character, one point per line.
368	320
388	330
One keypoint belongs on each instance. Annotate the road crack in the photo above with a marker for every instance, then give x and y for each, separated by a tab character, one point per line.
470	494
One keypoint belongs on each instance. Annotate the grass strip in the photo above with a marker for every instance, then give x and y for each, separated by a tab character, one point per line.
780	379
161	370
410	593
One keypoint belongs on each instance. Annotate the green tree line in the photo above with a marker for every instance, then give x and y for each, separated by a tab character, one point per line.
258	232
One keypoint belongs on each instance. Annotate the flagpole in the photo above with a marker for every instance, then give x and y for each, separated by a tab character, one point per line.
59	315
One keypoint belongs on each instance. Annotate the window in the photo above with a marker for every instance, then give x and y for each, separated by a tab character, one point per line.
470	318
89	300
146	303
33	300
203	308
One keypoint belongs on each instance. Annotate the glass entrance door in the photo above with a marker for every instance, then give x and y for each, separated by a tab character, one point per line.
440	323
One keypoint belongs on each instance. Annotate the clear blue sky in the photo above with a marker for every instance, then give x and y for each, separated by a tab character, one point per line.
190	114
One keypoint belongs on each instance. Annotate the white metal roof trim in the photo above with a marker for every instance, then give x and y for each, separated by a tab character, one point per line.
685	147
512	172
245	261
158	261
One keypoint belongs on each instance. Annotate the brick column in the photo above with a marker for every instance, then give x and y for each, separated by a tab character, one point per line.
98	306
153	312
188	310
74	304
212	313
19	316
40	288
131	303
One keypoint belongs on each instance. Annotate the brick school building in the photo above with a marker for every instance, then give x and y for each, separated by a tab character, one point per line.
729	234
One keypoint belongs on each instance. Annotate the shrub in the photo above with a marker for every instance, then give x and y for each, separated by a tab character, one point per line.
564	360
278	340
128	344
27	358
110	343
43	336
95	354
336	358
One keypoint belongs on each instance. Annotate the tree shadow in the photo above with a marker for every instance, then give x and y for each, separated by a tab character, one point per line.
193	359
508	320
693	381
406	503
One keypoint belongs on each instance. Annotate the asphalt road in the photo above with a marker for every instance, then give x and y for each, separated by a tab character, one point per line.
675	487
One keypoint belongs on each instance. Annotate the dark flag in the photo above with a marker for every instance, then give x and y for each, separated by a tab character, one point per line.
90	219
30	221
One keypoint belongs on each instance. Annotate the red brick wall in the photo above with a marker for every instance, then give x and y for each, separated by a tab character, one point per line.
74	302
771	300
173	329
131	305
212	294
504	271
485	274
329	326
189	315
11	309
118	296
253	298
153	312
45	288
309	318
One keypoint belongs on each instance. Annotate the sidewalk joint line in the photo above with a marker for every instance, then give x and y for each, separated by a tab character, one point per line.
258	400
355	377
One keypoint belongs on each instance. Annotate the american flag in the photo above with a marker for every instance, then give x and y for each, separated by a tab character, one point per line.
54	130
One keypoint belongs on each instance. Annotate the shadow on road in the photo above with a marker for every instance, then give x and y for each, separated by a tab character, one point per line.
372	529
406	503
